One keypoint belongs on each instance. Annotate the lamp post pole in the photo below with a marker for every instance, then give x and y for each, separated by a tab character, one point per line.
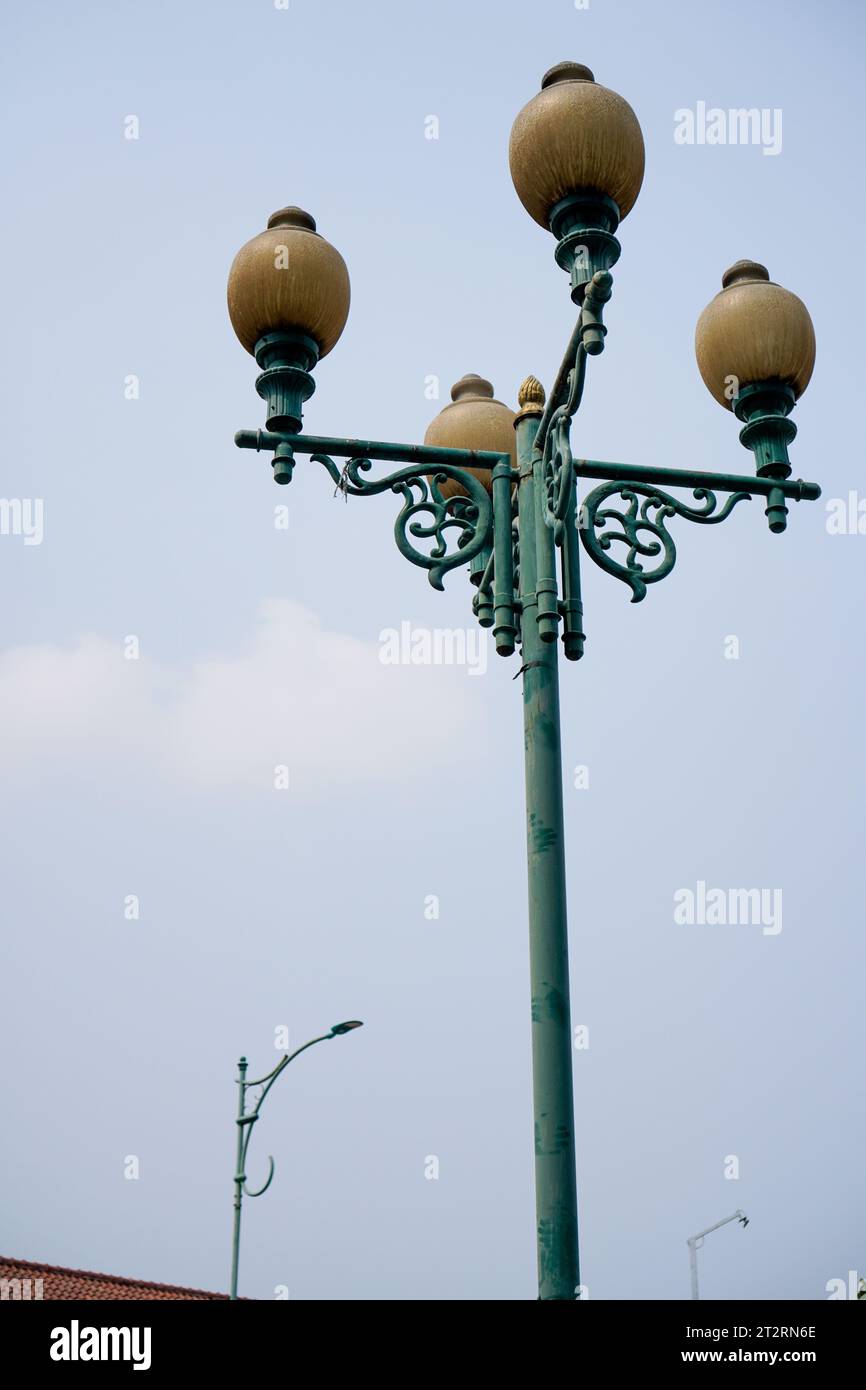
553	1104
240	1177
246	1120
502	496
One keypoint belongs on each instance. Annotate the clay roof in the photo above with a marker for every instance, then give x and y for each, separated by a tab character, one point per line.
58	1283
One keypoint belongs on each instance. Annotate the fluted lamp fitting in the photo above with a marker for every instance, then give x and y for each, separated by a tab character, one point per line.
289	279
754	331
473	420
575	136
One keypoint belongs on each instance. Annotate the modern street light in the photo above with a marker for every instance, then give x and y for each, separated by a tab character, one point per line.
245	1124
498	493
695	1242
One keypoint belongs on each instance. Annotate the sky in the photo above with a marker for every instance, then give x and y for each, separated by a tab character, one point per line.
166	645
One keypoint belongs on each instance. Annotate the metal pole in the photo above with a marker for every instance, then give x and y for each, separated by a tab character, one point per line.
695	1242
239	1178
693	1267
553	1098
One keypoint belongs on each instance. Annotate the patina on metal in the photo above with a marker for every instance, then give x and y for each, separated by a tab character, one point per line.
514	514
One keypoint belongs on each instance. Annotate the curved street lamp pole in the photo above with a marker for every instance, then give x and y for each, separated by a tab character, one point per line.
245	1124
695	1242
499	493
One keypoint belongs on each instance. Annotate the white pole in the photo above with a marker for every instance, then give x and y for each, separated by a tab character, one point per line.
695	1242
693	1267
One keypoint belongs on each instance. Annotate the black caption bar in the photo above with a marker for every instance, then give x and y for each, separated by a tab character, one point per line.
153	1339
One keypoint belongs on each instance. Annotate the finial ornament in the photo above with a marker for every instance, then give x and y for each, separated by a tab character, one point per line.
531	397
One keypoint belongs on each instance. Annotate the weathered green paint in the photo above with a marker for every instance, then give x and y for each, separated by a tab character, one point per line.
584	224
546	588
286	382
553	1099
764	409
504	627
626	473
476	530
425	455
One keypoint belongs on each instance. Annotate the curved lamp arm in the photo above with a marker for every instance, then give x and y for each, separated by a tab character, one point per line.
245	1124
248	1120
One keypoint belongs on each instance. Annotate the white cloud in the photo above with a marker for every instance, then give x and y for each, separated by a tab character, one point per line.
317	701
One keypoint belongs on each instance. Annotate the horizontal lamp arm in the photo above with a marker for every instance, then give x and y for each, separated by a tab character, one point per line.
795	488
459	528
425	455
622	523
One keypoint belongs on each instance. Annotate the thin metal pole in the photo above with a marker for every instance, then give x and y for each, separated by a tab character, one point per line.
553	1097
239	1178
693	1267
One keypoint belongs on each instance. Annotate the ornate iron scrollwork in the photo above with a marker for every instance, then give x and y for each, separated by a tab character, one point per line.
557	471
557	464
470	517
634	519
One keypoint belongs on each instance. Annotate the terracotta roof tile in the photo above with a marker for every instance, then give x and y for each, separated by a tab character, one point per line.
58	1283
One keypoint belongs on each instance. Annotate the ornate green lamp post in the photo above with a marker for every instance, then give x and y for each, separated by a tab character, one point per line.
501	495
245	1121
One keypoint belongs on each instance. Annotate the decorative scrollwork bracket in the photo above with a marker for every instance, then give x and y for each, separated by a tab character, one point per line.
600	527
426	515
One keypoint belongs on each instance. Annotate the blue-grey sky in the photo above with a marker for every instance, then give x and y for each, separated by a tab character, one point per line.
154	778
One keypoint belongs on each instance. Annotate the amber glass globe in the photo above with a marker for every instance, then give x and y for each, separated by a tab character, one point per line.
289	279
473	420
575	135
753	331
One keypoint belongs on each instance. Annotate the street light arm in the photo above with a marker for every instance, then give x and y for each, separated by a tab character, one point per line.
736	1216
248	1120
795	488
426	514
426	456
281	1065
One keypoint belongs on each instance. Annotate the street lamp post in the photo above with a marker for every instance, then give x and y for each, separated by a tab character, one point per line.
499	494
245	1122
695	1242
